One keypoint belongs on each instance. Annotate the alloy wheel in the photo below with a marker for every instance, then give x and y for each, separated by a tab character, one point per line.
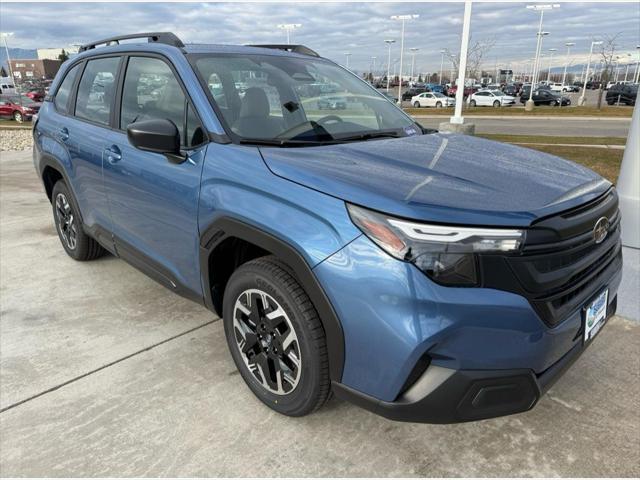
66	221
267	341
17	116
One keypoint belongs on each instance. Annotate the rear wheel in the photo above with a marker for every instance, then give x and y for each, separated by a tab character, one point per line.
496	104
275	337
17	116
416	104
439	105
472	103
75	241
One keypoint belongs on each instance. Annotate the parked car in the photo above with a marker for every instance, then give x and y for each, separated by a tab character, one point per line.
332	103
559	87
19	107
511	90
430	99
7	87
546	97
491	98
622	93
524	92
426	277
436	88
36	95
389	96
452	90
412	92
593	85
493	86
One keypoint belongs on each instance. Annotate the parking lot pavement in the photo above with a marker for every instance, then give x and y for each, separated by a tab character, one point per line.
165	399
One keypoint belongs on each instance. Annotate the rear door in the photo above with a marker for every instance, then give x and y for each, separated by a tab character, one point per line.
153	200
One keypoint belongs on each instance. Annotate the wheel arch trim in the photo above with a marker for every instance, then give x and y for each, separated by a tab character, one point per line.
225	227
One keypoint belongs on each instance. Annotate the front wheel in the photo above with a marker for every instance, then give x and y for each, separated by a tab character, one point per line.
472	103
276	338
416	104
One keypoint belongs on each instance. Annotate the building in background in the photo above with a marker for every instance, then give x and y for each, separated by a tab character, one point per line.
54	53
34	69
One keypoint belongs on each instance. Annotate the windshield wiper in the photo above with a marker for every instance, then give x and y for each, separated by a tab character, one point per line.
272	142
370	136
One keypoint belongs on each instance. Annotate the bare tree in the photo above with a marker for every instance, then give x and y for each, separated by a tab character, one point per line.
476	54
607	51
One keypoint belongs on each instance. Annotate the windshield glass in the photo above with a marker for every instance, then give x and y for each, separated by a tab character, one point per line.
283	98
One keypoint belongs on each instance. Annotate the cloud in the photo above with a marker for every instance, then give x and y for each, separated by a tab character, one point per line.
330	28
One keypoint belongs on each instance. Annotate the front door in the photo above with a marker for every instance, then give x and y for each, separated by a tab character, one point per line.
153	200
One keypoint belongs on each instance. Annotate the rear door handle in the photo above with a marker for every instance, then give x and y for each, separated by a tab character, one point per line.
63	134
113	154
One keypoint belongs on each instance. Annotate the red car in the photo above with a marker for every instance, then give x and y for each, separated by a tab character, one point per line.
18	107
36	95
451	91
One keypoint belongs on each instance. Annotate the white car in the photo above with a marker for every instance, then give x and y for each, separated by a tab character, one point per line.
491	98
432	99
559	87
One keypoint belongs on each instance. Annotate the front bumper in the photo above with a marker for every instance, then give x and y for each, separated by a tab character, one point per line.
443	395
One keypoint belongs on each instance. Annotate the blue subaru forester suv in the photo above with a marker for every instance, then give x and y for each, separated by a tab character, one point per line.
424	276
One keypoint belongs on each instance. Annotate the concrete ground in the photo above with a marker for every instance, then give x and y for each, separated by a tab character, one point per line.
105	373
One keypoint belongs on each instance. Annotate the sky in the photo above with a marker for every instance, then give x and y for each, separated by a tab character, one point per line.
335	28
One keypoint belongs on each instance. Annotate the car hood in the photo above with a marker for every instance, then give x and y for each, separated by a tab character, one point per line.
441	177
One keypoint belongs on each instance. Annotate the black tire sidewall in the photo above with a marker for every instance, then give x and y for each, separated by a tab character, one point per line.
302	399
82	240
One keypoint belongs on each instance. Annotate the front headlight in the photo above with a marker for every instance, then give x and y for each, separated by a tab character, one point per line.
446	253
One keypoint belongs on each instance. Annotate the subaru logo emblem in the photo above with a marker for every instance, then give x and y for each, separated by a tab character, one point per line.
600	229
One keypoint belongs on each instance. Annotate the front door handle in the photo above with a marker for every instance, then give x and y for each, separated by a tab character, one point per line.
63	134
113	154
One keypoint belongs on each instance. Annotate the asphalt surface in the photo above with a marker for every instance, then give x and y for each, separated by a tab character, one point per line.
513	125
105	373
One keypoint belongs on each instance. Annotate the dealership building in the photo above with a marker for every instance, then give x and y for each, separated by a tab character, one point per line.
34	68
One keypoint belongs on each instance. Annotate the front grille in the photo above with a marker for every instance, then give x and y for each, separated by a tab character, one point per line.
561	266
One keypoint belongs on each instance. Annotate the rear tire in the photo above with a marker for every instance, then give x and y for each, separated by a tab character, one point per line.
439	105
416	104
75	241
496	104
276	338
17	116
472	103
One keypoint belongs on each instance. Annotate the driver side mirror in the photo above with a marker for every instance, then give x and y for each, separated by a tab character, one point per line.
157	136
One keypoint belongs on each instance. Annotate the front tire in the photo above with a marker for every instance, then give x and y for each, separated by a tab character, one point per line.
276	338
75	241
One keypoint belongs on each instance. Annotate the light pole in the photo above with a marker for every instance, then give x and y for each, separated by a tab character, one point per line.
347	54
402	18
586	75
373	67
6	48
389	42
457	118
413	59
552	51
538	8
566	63
637	75
442	52
289	27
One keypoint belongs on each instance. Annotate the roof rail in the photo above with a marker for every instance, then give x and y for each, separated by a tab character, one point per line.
301	49
167	38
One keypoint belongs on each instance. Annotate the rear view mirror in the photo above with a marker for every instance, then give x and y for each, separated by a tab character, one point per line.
158	136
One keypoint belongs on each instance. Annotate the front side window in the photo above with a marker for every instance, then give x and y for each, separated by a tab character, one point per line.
96	90
286	98
61	101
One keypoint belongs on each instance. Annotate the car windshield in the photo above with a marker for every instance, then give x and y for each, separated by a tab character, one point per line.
282	100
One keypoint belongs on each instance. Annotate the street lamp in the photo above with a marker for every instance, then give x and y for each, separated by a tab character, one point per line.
347	54
566	63
442	52
389	42
538	8
552	50
586	76
402	18
373	66
289	27
4	35
413	59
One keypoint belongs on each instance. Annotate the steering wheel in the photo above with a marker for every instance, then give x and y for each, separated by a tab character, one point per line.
329	118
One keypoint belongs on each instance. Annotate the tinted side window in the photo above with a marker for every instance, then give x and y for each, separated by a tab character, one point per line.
151	91
96	90
61	100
